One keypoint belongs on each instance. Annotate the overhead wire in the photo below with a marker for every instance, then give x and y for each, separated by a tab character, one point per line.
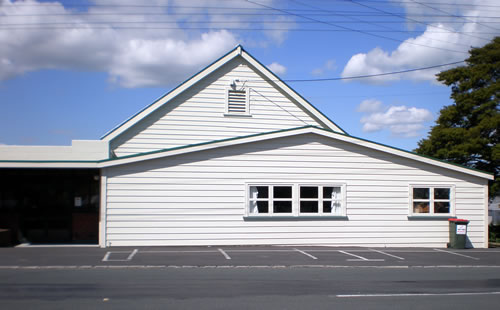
410	19
433	39
359	31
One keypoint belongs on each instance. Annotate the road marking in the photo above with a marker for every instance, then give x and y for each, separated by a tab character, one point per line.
105	258
132	254
417	294
454	253
306	254
184	251
360	258
224	253
391	255
31	267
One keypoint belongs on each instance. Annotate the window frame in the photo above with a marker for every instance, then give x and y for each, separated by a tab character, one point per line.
295	200
432	200
247	102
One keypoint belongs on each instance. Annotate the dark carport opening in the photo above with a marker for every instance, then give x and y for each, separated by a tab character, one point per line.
50	205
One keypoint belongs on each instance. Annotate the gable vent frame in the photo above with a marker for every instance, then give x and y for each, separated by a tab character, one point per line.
237	101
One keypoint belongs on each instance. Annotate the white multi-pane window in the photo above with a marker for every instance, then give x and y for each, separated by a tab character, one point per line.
431	200
295	200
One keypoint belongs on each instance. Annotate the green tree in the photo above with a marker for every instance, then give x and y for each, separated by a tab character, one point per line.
467	132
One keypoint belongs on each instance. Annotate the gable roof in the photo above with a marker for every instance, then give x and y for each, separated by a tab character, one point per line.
242	140
236	52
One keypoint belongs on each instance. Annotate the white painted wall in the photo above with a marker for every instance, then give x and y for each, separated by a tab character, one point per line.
197	115
199	198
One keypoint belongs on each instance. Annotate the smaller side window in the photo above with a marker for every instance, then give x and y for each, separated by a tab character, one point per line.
431	200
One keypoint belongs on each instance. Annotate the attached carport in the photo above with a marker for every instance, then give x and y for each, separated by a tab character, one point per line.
50	205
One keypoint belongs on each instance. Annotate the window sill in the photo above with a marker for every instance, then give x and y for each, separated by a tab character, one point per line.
237	115
430	217
296	218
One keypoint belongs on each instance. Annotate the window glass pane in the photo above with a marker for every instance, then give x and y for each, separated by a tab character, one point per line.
263	206
308	192
309	207
259	192
421	207
442	193
282	192
441	207
331	192
282	207
421	193
332	207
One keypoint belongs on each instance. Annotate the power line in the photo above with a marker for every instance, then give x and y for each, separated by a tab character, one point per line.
452	15
410	19
375	75
359	31
433	39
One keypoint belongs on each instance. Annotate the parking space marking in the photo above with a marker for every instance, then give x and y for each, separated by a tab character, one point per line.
106	256
360	258
224	253
306	254
129	257
391	255
455	253
417	294
182	251
132	254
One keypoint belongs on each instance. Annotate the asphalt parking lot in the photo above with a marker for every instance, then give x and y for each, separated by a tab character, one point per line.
243	256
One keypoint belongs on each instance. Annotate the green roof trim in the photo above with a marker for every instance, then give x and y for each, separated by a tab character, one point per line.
208	142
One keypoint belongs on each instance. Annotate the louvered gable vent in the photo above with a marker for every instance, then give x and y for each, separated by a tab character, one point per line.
237	101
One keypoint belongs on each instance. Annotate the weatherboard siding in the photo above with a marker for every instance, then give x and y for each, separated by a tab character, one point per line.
197	115
199	198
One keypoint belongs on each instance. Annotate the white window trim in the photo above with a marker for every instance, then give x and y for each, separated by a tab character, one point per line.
431	200
296	201
247	102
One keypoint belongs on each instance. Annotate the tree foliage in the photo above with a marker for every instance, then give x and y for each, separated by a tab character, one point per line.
467	132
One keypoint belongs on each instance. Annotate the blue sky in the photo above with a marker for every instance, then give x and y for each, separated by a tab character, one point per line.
75	69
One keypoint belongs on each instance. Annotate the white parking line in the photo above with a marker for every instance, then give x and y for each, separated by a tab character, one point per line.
225	254
132	254
455	253
185	251
306	254
391	255
417	294
360	258
105	258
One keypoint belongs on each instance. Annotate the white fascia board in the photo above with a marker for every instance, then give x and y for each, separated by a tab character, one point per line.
181	88
306	105
294	132
48	164
401	153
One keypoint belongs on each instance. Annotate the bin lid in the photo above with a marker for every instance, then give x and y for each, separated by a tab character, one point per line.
459	220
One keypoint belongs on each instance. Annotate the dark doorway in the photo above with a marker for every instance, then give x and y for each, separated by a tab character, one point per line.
50	205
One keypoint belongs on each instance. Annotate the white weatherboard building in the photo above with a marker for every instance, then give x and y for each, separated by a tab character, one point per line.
233	156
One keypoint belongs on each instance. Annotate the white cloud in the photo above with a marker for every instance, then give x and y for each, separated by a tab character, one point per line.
400	120
133	56
369	106
329	65
446	37
277	68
